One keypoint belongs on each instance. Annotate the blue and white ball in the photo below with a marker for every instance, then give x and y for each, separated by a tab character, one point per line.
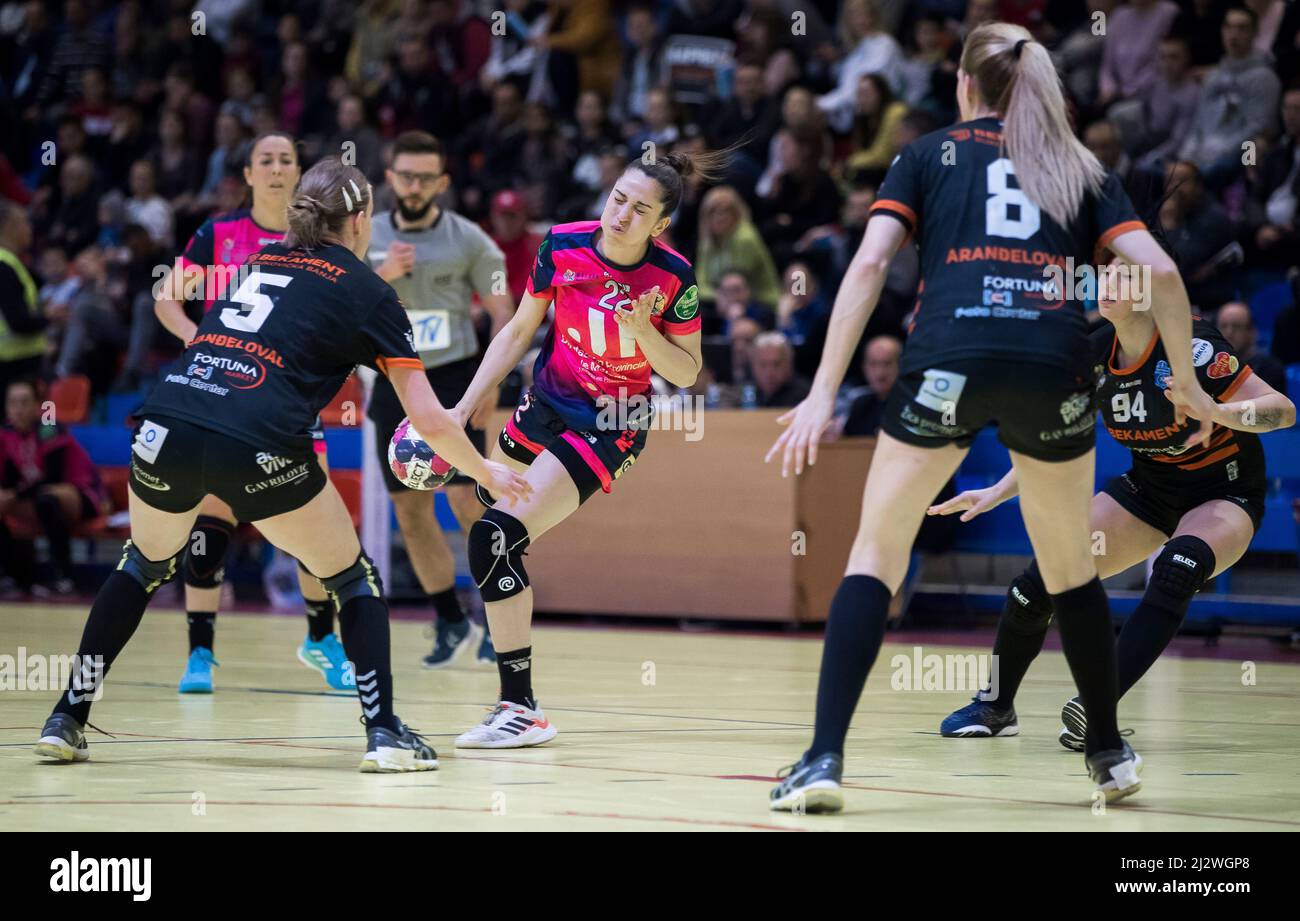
413	462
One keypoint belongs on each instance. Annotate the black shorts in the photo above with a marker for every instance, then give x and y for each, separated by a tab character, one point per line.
1162	499
449	384
594	459
1041	411
174	464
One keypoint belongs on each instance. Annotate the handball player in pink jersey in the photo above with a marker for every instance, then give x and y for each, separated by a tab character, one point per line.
213	259
625	305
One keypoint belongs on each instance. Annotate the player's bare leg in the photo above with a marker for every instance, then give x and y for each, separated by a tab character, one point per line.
902	482
320	535
149	558
497	543
1053	493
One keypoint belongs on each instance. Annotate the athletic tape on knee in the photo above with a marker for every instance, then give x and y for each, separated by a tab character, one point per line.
1180	571
360	580
205	555
497	542
1029	606
149	573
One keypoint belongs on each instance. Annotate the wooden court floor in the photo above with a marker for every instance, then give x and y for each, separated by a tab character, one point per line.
659	730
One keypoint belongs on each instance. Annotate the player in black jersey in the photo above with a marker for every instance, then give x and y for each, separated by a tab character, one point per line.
1199	507
213	259
994	203
231	419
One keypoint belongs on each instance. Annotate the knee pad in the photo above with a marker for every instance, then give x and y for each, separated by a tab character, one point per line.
482	495
207	568
360	580
1180	571
1029	607
497	542
149	573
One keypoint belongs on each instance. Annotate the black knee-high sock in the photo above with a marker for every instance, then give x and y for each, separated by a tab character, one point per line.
116	613
320	619
203	629
57	532
1088	638
1144	637
1018	643
515	669
448	606
363	623
854	632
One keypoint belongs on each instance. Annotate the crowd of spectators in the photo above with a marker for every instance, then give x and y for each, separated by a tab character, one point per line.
126	125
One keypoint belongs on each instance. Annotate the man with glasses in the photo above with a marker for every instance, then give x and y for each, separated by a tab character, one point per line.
436	260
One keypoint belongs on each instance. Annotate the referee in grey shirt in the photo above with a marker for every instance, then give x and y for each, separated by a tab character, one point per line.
436	260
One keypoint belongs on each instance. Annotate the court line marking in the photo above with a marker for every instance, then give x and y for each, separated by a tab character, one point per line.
427	807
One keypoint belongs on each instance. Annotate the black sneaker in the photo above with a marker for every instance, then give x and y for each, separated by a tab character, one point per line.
810	786
389	752
980	719
450	640
1074	725
63	739
1116	772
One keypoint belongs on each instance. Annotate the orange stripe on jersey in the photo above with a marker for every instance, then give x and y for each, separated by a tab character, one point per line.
386	363
1121	228
1232	388
1212	459
897	207
1114	346
1216	440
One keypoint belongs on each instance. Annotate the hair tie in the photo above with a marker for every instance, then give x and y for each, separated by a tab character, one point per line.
1019	45
347	202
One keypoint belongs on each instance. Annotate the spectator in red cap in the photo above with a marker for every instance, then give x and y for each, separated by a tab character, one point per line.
510	231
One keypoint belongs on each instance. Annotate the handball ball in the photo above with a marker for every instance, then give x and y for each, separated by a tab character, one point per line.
413	461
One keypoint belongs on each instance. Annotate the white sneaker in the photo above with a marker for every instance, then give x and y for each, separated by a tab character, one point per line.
508	726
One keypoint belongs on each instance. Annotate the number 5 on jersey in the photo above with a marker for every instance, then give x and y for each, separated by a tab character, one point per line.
258	305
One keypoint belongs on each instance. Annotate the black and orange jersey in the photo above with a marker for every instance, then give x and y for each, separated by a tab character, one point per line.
987	252
1140	417
274	349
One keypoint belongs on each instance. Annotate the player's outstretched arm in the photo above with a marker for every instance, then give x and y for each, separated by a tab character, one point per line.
446	435
975	502
857	298
1257	408
174	289
503	353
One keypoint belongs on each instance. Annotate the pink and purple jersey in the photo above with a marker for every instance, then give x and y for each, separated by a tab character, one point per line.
588	360
221	245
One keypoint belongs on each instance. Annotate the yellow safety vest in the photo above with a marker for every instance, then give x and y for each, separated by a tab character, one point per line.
17	346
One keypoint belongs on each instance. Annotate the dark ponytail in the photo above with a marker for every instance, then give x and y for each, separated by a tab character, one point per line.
670	170
329	193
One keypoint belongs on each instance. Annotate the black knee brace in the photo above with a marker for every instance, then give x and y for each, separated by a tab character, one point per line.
207	568
1180	571
149	573
1029	607
360	580
482	495
497	542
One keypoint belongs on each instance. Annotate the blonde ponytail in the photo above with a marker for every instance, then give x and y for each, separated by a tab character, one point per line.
1014	75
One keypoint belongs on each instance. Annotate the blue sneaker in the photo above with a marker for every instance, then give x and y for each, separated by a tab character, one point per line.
327	655
198	672
980	718
487	653
450	640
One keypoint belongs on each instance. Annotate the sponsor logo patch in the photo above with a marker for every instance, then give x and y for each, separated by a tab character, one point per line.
1075	406
1225	365
688	305
1163	373
149	441
1202	351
